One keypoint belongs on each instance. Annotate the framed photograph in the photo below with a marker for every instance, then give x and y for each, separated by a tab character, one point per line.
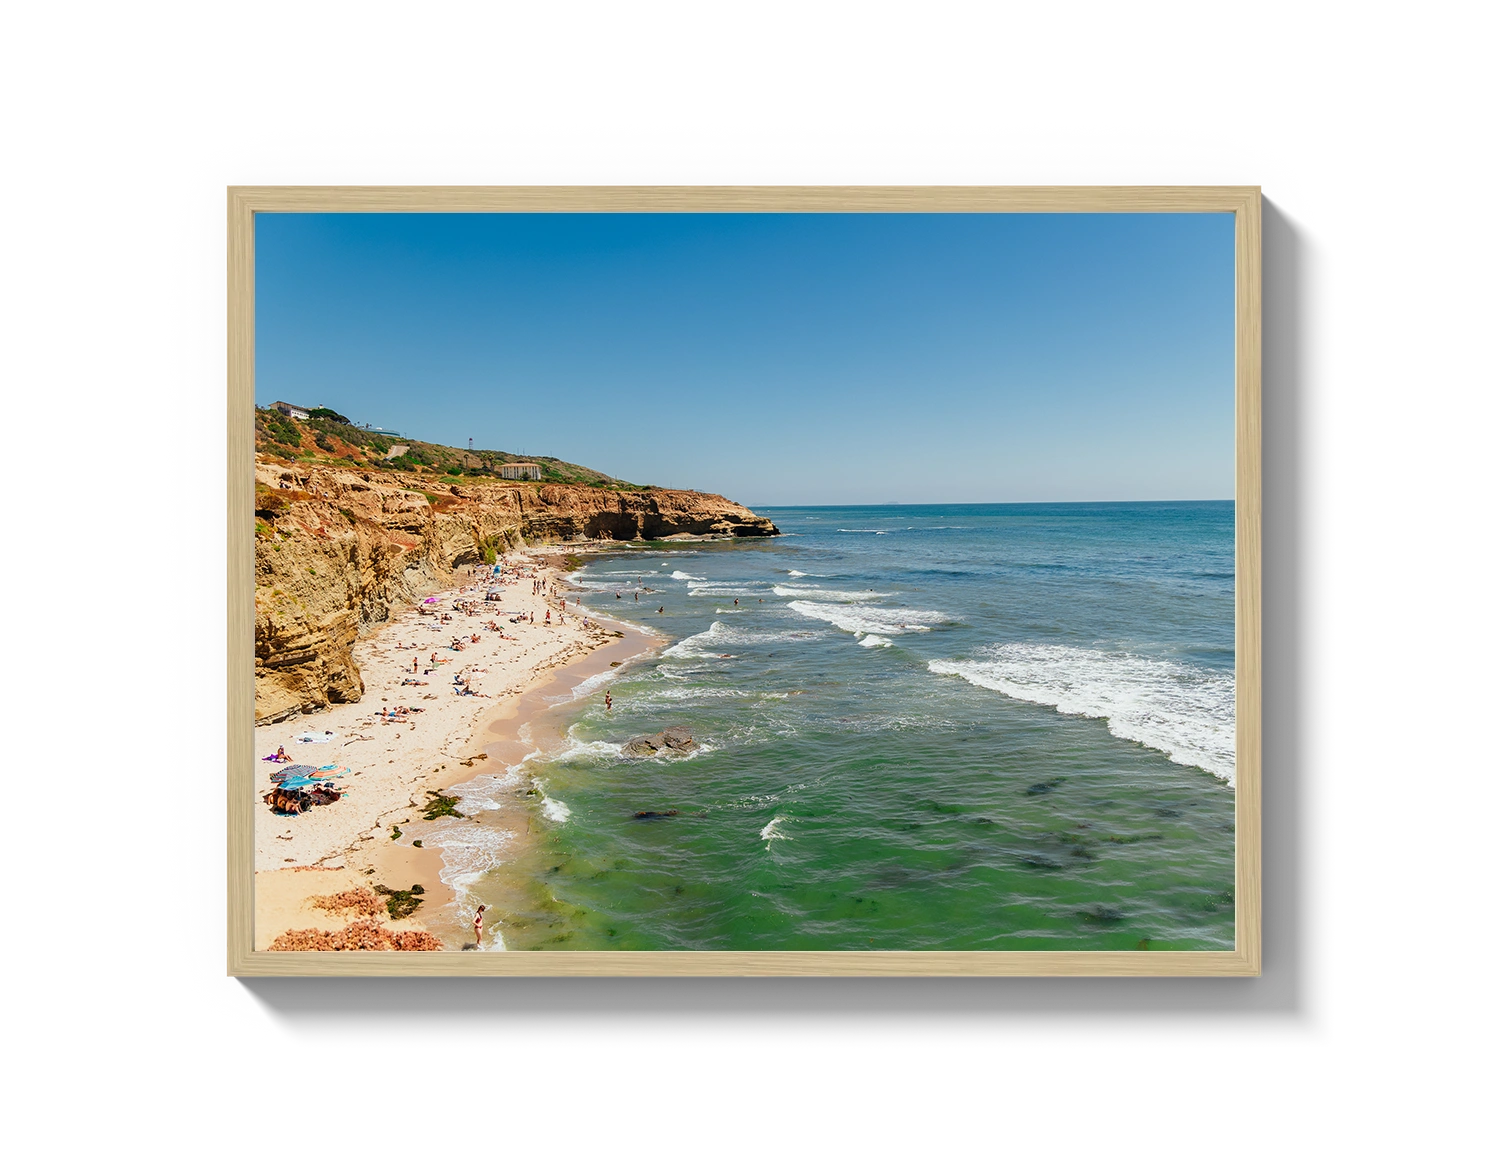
744	581
726	552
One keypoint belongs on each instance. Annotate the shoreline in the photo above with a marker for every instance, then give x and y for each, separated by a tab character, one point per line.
374	836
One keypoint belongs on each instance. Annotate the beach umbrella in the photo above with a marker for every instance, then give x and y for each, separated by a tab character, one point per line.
293	772
430	601
304	781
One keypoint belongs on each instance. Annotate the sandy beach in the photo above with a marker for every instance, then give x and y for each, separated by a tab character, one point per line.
411	738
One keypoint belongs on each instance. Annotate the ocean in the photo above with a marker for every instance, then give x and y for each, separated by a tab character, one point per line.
919	727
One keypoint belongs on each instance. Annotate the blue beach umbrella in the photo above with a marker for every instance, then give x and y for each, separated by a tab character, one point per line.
309	775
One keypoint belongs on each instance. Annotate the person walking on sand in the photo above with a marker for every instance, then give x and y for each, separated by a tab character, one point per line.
478	922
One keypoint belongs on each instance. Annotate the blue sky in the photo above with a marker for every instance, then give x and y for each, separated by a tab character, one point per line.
777	359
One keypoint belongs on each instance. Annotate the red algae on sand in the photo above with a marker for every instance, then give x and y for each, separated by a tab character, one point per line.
364	935
357	900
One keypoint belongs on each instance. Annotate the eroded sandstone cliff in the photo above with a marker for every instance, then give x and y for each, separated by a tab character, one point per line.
339	550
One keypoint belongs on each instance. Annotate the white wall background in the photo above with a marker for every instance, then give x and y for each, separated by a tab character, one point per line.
1370	1038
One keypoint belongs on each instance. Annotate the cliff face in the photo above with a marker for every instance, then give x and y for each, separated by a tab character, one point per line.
340	550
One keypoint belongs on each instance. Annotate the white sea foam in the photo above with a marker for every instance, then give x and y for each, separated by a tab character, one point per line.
555	810
818	593
469	852
695	694
869	619
726	588
479	792
795	573
1181	710
875	640
702	645
591	684
679	575
769	833
580	749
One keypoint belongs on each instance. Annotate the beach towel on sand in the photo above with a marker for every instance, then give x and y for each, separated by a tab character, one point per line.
316	737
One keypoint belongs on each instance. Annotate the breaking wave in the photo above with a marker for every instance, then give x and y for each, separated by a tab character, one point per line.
718	635
679	575
815	593
1181	710
868	619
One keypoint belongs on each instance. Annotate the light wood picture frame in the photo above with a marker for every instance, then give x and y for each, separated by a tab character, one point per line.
245	203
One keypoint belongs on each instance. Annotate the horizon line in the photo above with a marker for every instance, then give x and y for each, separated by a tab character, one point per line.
1003	503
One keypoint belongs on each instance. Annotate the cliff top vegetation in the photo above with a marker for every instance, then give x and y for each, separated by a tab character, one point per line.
328	438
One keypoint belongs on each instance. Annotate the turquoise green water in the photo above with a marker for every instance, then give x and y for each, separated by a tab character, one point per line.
964	727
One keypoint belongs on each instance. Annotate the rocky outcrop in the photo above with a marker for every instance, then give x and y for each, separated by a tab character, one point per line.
340	550
674	741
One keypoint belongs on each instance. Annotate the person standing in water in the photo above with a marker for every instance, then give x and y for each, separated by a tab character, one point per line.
478	921
609	703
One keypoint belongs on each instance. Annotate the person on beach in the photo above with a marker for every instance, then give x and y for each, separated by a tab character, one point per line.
281	757
661	609
609	704
478	922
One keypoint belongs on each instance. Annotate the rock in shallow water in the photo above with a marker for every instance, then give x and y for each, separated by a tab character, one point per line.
679	738
672	741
